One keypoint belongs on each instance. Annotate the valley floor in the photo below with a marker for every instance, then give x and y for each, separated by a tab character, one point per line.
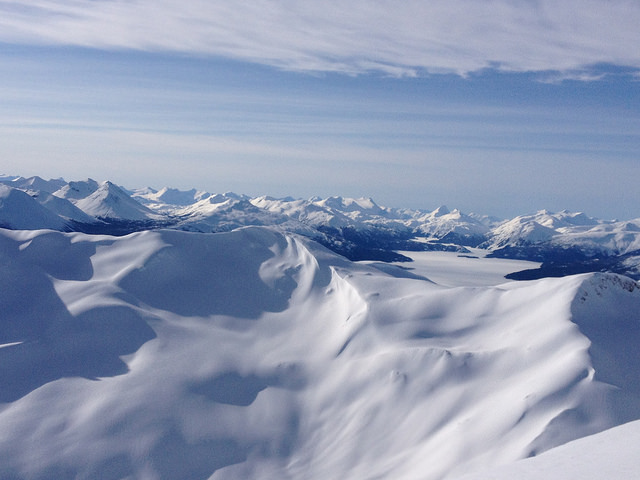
453	269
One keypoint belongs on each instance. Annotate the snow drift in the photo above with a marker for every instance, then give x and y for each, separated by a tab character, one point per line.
256	354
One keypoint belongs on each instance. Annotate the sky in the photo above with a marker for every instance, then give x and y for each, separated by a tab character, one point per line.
502	107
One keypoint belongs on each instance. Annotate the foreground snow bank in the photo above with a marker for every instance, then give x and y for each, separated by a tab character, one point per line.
253	354
610	454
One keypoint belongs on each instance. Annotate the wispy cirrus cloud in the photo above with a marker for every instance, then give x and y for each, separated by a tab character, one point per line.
348	36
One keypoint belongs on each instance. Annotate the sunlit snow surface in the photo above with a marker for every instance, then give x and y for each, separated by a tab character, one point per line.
258	355
612	454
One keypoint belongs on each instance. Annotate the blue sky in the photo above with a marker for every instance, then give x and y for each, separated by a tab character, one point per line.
501	108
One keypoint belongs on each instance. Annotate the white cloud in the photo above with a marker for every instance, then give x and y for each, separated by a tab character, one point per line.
581	76
348	36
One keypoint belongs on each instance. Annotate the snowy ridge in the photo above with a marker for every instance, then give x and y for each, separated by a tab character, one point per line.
173	196
35	184
19	211
225	212
300	363
77	190
310	212
566	229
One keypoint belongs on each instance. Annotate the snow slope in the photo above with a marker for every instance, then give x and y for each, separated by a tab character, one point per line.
20	211
63	208
255	354
611	454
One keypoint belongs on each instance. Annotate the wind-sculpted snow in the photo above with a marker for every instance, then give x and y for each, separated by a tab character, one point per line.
43	340
255	354
198	277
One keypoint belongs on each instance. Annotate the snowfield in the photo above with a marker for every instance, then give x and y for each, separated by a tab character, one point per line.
455	269
255	354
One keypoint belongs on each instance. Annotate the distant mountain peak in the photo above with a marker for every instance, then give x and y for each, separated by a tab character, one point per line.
76	190
441	210
110	201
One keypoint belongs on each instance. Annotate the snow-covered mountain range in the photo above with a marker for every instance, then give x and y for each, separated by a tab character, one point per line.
360	229
171	334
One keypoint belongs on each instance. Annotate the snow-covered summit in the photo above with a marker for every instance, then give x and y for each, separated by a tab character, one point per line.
441	210
450	226
521	231
171	196
77	190
110	201
352	205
